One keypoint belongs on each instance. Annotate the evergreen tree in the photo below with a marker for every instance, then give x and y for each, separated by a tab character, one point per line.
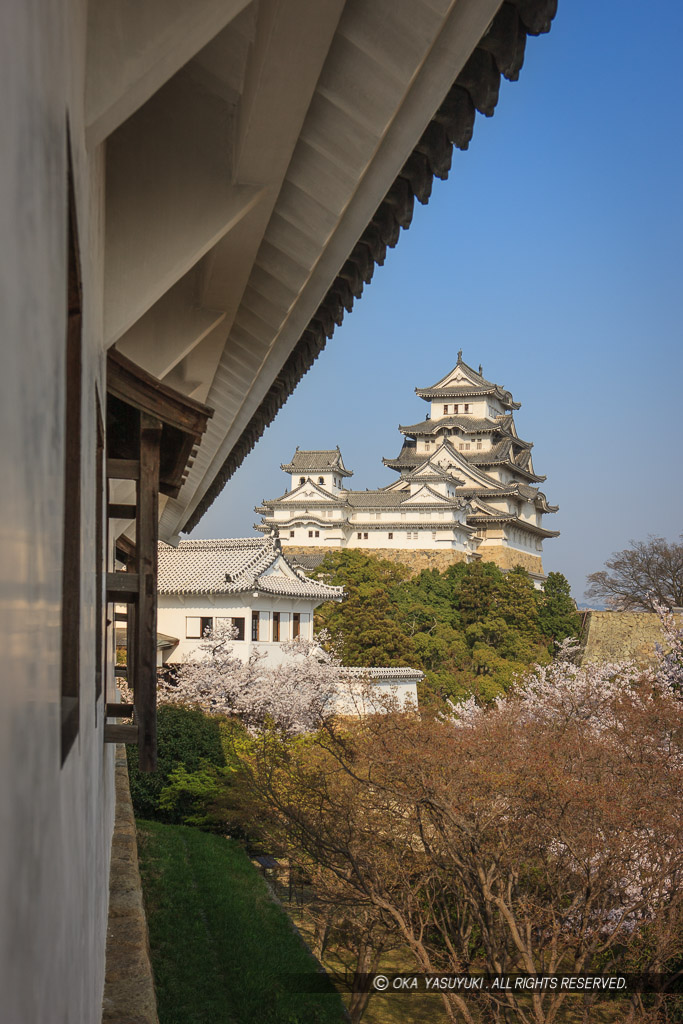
471	629
557	615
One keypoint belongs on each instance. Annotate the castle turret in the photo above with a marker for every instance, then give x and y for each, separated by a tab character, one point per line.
471	432
466	486
325	468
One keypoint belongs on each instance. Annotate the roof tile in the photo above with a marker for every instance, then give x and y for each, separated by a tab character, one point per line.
231	566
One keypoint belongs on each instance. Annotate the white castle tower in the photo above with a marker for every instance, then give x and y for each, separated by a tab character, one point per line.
465	488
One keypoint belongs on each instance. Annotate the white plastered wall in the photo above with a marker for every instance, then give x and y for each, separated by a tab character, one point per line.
55	821
173	612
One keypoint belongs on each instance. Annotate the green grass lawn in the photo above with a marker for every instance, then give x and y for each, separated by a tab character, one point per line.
222	950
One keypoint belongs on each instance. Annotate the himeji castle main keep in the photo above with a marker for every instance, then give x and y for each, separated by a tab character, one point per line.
466	489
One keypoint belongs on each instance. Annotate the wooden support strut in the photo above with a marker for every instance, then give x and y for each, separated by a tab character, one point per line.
145	419
146	531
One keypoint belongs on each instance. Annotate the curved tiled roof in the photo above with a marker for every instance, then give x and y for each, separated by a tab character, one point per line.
495	516
369	527
427	471
382	498
500	52
468	424
323	460
469	391
378	673
231	566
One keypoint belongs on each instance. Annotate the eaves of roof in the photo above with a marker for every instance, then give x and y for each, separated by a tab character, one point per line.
480	459
310	516
500	52
324	460
377	673
468	391
487	520
233	566
465	423
286	502
377	525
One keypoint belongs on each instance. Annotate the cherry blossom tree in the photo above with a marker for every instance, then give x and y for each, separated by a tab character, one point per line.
297	695
538	835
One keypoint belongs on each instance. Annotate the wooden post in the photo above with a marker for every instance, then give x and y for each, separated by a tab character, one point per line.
131	625
145	637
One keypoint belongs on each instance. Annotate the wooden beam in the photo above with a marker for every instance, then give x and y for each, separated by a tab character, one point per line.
123	469
145	641
122	585
121	511
170	483
136	387
114	733
125	550
120	710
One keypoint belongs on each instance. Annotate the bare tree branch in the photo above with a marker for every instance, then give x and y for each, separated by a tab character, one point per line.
637	577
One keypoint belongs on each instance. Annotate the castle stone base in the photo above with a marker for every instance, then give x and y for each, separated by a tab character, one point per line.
508	558
418	559
615	636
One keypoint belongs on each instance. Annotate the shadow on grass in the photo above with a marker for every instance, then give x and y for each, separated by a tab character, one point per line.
222	951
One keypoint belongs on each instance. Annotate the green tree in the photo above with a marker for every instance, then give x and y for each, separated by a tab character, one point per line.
361	573
365	628
557	614
365	622
186	738
471	628
478	591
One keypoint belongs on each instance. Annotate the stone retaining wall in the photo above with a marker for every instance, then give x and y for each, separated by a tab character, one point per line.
423	558
508	558
615	636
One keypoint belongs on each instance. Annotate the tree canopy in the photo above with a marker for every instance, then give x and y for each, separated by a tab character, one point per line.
471	628
540	835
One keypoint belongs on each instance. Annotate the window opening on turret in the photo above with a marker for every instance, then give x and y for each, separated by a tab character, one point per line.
445	409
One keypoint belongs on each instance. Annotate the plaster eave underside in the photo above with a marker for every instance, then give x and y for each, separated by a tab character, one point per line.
378	82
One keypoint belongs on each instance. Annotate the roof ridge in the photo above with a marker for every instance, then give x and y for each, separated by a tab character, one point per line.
216	541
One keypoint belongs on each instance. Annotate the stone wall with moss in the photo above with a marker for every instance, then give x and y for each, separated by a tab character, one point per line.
418	559
614	636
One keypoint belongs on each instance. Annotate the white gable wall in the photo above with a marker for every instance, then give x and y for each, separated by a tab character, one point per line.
175	610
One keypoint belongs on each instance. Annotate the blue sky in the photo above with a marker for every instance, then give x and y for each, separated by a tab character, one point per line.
552	255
